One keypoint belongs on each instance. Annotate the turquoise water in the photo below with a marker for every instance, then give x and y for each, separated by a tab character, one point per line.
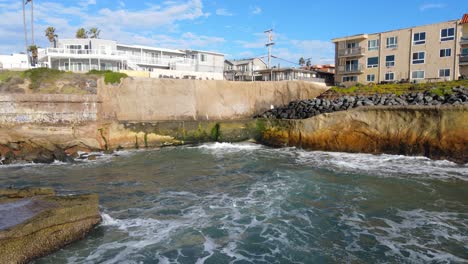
245	203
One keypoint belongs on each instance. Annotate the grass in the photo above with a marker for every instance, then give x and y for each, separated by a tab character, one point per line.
110	77
7	75
439	88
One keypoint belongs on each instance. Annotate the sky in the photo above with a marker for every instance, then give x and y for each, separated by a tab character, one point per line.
302	28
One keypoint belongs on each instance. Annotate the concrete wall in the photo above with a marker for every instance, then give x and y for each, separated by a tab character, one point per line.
47	108
143	99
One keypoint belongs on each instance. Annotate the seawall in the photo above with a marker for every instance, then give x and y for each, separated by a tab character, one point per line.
438	132
145	99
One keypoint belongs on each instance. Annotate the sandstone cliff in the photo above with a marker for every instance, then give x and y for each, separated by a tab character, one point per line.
435	132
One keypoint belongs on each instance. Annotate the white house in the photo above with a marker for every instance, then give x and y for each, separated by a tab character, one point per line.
82	55
14	62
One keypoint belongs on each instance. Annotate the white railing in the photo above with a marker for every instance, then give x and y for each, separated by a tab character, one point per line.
61	51
164	61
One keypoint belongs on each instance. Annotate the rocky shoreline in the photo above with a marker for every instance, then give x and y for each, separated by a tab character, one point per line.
308	108
36	222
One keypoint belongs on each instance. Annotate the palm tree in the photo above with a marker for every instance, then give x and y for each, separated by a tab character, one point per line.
51	36
308	63
94	32
301	61
34	54
25	31
81	33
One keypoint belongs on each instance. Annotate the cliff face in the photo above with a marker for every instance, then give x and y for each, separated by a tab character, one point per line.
435	132
137	113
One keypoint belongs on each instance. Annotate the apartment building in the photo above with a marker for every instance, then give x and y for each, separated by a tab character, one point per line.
435	52
82	55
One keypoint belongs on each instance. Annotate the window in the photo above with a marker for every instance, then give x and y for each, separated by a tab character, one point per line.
444	73
445	53
417	75
373	44
351	45
202	57
418	57
373	62
447	34
419	38
390	61
390	76
349	78
371	78
392	42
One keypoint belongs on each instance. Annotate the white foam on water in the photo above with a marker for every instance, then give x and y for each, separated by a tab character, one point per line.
419	233
229	147
236	215
385	165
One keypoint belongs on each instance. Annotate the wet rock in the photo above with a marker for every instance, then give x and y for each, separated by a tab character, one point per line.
36	222
9	158
44	157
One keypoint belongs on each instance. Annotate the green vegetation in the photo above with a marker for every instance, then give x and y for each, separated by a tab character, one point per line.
439	88
5	76
215	132
110	77
40	76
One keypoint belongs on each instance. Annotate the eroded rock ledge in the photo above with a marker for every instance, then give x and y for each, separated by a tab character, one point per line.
437	132
35	222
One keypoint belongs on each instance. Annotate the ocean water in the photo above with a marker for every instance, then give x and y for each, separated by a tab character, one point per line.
246	203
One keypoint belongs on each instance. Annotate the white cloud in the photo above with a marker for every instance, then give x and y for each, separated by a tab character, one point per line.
140	26
223	12
256	10
431	6
86	3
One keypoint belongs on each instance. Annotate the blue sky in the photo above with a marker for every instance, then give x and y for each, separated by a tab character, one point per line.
234	27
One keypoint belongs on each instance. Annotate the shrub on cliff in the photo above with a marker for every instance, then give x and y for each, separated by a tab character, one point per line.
110	77
42	75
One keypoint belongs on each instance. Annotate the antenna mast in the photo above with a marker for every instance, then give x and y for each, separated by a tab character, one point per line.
269	45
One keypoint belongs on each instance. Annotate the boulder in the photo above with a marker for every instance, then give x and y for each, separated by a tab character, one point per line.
36	222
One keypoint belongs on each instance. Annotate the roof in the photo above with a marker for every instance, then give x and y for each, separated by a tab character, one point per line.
286	69
243	61
464	19
151	48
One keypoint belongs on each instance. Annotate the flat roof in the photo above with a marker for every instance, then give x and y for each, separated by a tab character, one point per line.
150	48
205	51
285	69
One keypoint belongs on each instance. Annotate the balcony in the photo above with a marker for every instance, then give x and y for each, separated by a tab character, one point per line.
350	69
464	41
351	52
83	53
463	59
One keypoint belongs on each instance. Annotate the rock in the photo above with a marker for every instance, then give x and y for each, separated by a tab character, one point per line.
44	157
35	222
9	158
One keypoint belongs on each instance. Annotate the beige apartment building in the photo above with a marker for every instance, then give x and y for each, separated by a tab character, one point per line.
435	52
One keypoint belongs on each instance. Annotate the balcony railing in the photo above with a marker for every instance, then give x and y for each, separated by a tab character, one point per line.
463	59
358	51
161	61
355	68
464	41
83	52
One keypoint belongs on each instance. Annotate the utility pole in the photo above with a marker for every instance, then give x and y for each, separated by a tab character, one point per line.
269	45
32	21
25	32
